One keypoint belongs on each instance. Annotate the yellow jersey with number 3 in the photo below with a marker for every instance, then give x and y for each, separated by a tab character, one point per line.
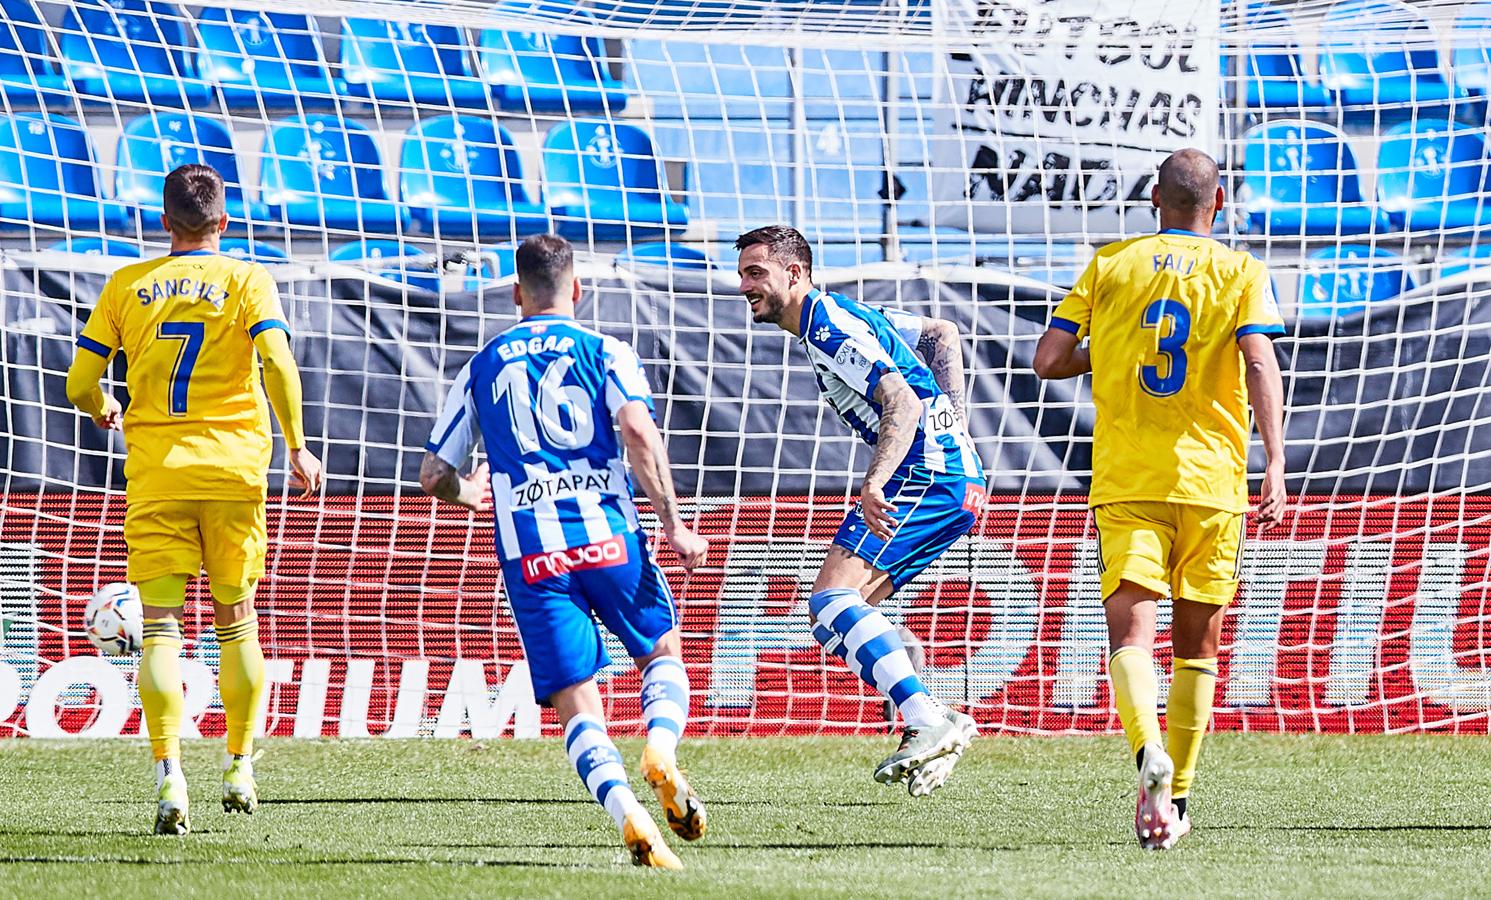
197	426
1164	313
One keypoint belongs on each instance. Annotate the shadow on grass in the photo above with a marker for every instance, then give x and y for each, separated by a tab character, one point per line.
1352	829
539	801
64	859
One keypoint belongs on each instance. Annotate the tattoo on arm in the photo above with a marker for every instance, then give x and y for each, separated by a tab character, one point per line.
900	412
439	478
942	348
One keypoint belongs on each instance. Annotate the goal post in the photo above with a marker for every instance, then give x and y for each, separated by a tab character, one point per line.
959	158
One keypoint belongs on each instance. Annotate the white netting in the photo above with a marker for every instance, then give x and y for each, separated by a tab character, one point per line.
962	159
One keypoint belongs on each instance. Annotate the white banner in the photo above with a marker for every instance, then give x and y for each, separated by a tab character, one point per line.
1059	125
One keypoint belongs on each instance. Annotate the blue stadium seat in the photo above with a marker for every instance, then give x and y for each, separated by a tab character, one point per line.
253	251
93	246
533	71
1274	72
605	182
1432	175
131	50
1341	280
681	79
1463	259
1382	52
409	63
397	254
1472	48
28	73
49	176
663	253
155	143
1302	179
743	173
274	59
460	177
321	171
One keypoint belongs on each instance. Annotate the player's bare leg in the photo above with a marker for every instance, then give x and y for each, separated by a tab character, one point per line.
665	708
599	765
847	624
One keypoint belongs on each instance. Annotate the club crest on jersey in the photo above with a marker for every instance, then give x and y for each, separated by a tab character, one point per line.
540	566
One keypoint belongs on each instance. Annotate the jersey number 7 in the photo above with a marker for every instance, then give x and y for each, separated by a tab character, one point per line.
190	334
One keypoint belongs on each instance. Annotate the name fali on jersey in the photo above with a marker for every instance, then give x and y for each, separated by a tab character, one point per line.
564	484
1174	262
186	289
537	344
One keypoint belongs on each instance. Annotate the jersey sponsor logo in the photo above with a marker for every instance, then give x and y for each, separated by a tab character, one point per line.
541	566
564	484
974	497
851	359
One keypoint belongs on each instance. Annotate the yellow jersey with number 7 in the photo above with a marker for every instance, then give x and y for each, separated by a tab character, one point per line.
197	426
1164	314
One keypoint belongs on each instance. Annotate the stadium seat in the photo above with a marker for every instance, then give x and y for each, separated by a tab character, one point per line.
1432	175
324	172
743	173
93	246
131	50
714	81
274	59
1463	259
1274	72
605	182
49	176
1301	178
155	143
28	73
1471	39
402	258
530	71
1377	52
405	62
460	177
253	251
662	253
1342	280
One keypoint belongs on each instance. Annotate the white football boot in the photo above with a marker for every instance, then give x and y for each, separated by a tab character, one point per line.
1156	822
171	806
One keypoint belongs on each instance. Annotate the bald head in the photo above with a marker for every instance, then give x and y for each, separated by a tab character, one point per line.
1188	183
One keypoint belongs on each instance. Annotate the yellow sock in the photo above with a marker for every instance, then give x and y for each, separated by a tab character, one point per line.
1192	688
161	695
240	678
1131	670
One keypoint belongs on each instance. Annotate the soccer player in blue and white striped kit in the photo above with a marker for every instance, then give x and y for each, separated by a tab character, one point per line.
921	492
548	397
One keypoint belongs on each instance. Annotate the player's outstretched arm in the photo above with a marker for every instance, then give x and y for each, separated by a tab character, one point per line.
942	347
649	460
440	479
900	412
1266	394
85	393
1060	355
282	384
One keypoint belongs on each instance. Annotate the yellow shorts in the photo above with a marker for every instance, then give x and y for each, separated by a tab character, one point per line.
228	538
1174	549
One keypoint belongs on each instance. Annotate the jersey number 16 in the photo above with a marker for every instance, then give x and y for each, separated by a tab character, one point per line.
557	402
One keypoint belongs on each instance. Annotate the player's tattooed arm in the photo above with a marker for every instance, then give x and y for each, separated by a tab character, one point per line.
942	347
649	460
900	412
441	480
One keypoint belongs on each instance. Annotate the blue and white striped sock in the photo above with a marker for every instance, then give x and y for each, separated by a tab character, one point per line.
599	764
864	638
665	702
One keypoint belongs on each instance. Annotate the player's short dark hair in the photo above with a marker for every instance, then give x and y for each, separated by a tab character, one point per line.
546	268
193	199
784	244
1188	180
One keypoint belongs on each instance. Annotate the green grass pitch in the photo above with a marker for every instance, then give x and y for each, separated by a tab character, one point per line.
1305	816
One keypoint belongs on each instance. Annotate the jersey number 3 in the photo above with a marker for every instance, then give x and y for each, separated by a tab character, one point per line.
190	334
1173	322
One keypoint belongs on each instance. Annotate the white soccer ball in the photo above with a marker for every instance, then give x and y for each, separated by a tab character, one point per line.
114	620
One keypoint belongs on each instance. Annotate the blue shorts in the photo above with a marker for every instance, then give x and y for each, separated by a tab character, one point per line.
557	597
933	511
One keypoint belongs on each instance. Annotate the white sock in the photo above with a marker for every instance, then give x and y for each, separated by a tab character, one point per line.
167	768
665	702
599	765
922	709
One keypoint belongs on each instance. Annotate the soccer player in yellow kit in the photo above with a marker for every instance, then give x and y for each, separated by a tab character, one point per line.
1181	334
198	442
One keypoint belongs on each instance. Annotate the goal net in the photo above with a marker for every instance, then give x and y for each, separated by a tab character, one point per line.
959	158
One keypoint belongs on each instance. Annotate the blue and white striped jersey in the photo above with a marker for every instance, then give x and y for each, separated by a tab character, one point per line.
852	346
543	394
